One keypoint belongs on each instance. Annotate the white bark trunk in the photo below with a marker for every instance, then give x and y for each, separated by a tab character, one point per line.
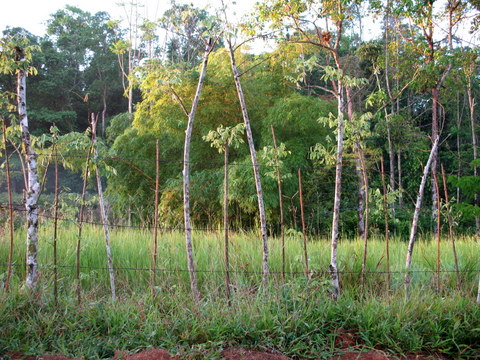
413	230
33	189
256	170
103	212
337	196
186	176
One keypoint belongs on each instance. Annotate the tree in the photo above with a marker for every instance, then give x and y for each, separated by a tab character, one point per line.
15	58
103	209
185	26
437	60
418	204
82	41
186	169
251	145
305	17
127	50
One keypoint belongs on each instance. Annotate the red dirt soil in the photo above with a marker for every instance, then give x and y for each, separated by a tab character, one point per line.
230	354
15	355
348	344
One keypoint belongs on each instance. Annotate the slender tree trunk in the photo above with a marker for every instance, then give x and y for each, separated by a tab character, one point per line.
103	211
256	169
387	232
471	105
186	175
226	226
10	209
365	235
435	205
304	227
33	189
418	204
471	102
155	217
337	196
280	201
55	229
80	227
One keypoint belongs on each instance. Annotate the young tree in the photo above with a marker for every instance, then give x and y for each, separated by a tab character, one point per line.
15	58
437	59
418	204
103	208
186	167
305	18
223	139
253	153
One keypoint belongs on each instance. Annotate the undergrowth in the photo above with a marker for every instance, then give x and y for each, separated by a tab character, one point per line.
295	316
295	319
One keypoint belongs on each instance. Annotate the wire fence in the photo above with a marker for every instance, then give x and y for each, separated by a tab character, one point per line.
248	272
46	214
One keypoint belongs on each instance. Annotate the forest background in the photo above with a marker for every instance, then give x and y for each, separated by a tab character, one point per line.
416	80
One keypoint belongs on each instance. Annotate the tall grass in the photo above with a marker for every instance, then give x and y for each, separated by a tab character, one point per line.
132	253
296	317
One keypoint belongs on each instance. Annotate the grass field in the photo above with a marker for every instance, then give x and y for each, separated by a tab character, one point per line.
132	256
296	317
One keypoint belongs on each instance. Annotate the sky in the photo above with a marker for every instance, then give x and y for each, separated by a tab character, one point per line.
35	13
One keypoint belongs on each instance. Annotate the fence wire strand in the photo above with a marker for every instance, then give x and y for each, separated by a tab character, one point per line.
249	272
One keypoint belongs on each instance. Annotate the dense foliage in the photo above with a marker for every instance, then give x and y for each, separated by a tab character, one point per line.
415	77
